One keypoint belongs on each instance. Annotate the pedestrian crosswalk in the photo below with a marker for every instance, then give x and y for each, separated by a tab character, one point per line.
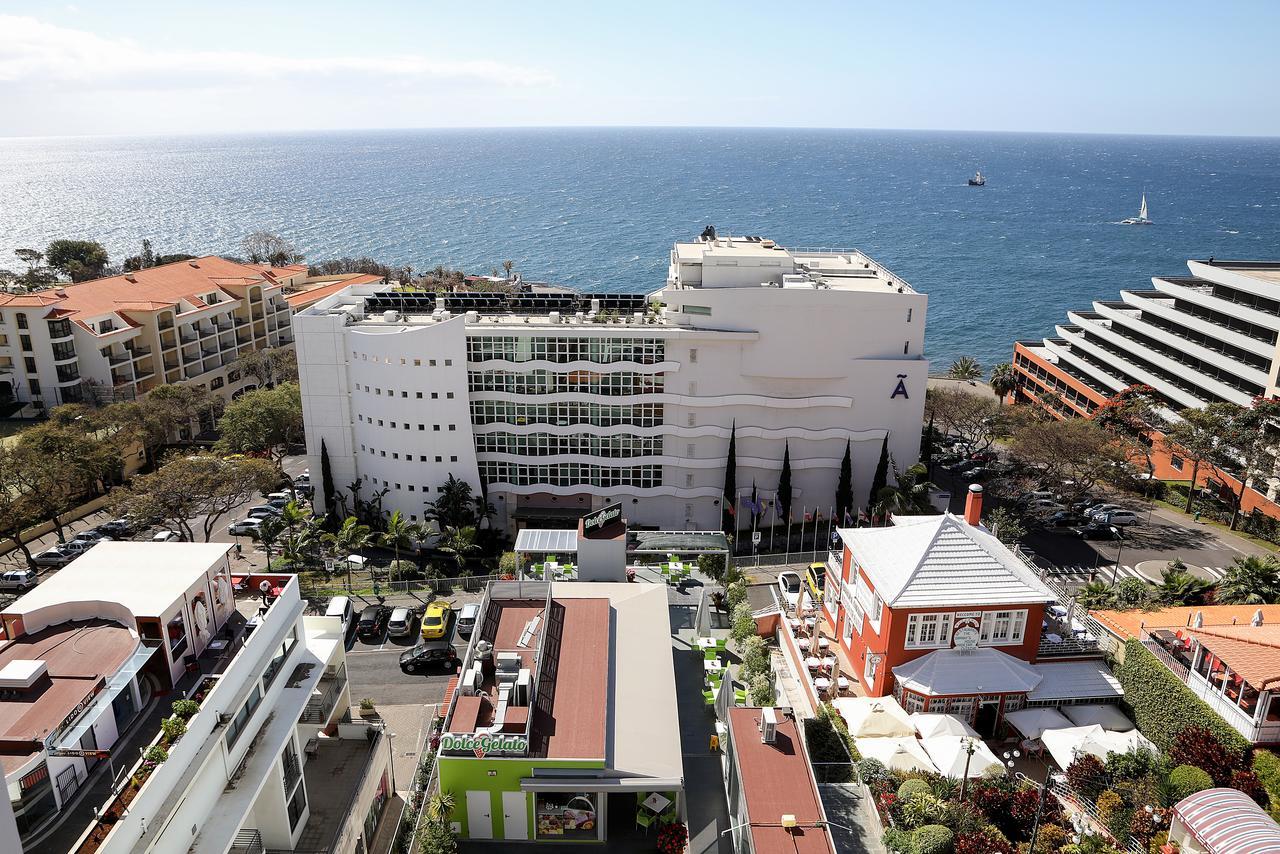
1083	574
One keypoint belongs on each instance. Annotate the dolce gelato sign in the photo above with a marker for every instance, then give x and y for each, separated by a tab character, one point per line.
605	517
484	744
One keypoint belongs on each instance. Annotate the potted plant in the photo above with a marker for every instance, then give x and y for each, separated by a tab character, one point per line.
672	838
366	708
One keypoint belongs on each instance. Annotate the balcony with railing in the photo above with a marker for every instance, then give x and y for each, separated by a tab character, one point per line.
140	350
326	696
114	358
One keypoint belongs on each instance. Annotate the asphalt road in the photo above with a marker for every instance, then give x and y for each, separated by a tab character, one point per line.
373	670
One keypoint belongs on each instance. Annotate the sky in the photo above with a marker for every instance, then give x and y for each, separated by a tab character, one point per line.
123	67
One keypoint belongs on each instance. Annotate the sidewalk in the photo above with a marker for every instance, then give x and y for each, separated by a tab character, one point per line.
1227	539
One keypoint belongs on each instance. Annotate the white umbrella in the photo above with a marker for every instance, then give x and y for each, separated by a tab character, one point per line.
356	560
1032	722
951	753
897	754
1104	715
929	724
875	716
1066	744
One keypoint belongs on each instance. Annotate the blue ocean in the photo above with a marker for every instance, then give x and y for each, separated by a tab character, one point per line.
600	208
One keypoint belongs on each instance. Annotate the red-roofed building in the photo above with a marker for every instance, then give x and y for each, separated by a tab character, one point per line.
118	337
774	806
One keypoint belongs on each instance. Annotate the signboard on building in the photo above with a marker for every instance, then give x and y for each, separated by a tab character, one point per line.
966	629
599	521
484	744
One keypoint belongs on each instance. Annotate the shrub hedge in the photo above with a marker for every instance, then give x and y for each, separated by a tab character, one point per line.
1186	780
933	839
1161	705
1267	766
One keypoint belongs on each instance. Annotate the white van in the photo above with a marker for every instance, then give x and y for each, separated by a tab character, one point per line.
341	607
467	619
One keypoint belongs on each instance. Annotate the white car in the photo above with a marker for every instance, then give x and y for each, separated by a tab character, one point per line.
244	527
166	536
54	557
789	586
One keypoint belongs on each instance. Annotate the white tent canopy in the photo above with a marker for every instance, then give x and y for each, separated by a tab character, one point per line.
1066	744
875	716
951	754
1032	722
1106	716
929	724
897	754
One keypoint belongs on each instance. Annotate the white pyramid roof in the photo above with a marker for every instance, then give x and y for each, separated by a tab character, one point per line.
955	672
942	560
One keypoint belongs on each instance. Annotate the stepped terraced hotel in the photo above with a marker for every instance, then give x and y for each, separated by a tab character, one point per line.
562	402
1210	337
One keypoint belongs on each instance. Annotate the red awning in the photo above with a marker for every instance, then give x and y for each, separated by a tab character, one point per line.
1227	821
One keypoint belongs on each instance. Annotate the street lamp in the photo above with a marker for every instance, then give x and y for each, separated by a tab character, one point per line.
1115	570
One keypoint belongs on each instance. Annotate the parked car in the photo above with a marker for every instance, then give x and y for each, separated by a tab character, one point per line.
341	607
429	653
467	618
117	528
284	495
789	586
435	622
279	503
1035	495
90	535
262	511
1044	507
1094	531
54	557
816	579
1065	519
77	547
20	580
1094	509
1122	518
373	622
400	623
166	536
245	527
304	490
962	466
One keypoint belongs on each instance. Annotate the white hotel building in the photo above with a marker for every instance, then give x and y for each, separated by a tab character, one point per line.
566	402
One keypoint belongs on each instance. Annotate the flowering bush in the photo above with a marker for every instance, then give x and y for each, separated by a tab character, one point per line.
1087	775
672	838
982	842
1196	745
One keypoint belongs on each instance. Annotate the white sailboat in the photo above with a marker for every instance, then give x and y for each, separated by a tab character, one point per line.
1141	218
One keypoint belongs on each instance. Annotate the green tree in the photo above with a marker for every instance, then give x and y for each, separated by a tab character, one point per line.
326	481
1247	447
17	514
400	534
79	260
188	487
1075	450
784	482
730	495
1132	416
265	420
844	485
881	478
965	368
909	493
1095	595
1250	580
271	533
352	537
1007	526
55	465
460	544
454	506
1003	380
1180	587
1194	436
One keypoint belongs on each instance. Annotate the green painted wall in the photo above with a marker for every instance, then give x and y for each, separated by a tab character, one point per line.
461	774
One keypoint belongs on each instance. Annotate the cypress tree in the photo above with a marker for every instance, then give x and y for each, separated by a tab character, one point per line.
926	449
784	482
844	486
881	478
730	498
326	477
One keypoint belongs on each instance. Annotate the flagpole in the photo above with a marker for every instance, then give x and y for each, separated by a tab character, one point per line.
787	558
774	507
803	513
830	526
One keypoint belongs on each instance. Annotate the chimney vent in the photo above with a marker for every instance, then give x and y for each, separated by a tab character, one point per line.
973	504
193	264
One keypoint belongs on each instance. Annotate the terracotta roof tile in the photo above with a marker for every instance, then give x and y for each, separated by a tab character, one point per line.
1253	652
302	299
1128	624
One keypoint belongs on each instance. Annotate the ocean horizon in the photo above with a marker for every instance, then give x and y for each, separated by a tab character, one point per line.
598	208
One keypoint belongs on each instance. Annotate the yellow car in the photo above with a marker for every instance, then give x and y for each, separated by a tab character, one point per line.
435	622
816	580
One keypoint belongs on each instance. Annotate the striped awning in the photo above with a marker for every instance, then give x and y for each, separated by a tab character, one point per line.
1227	821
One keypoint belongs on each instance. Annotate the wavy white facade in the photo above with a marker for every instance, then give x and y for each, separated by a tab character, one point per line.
562	404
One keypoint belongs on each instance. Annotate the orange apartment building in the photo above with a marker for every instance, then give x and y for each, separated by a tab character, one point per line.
1210	337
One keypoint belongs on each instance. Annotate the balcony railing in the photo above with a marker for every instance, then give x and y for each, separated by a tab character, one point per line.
140	350
118	358
247	842
1183	672
325	696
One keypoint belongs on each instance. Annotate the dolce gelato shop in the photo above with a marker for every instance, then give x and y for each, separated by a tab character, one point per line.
563	725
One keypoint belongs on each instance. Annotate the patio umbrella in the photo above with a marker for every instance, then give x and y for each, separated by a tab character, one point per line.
702	622
897	754
875	716
1106	716
951	754
1032	722
930	724
1066	744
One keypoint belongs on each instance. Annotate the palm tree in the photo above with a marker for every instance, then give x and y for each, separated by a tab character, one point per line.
459	542
910	492
1179	587
1095	594
1003	380
297	548
351	537
1251	580
400	534
269	532
965	368
484	509
294	516
453	506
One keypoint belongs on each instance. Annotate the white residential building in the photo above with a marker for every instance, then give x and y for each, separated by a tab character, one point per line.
121	336
565	402
129	623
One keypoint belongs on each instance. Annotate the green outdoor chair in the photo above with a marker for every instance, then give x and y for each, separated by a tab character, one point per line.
739	696
645	819
709	697
710	653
